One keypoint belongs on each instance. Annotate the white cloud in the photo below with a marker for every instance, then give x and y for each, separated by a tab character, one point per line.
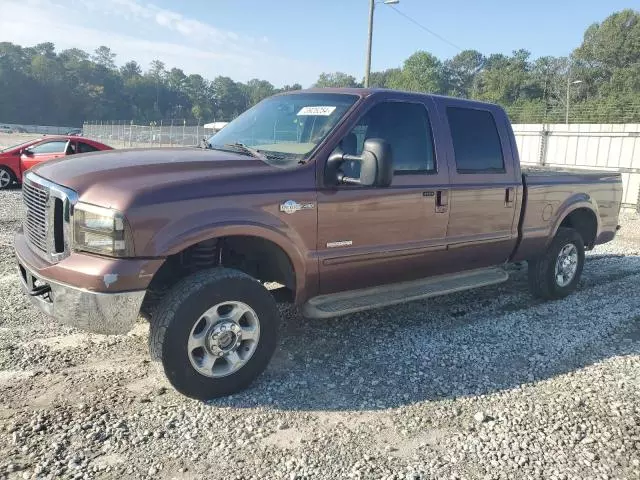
144	32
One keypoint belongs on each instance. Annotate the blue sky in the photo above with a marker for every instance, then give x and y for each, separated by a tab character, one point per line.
287	41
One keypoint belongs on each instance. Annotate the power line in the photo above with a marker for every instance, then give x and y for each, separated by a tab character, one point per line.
425	28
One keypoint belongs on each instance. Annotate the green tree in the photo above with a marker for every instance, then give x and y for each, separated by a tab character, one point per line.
74	56
506	79
157	70
176	79
461	73
130	70
608	60
229	97
421	72
384	78
612	44
199	93
336	79
287	88
105	57
258	90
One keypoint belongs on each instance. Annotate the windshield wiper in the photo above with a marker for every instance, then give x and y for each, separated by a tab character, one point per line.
251	151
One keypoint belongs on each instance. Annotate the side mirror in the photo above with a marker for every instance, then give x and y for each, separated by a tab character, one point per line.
376	165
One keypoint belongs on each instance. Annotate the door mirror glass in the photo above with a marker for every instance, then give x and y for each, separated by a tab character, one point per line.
375	161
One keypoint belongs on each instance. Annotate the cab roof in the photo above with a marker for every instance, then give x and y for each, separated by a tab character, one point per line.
366	92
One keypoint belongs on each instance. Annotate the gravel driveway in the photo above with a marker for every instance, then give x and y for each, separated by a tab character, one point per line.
482	384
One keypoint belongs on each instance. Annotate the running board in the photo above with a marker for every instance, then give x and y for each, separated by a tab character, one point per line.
342	303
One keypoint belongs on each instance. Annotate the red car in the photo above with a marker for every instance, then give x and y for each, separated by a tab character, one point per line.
16	160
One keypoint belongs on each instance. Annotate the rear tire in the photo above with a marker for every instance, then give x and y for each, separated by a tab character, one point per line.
557	272
7	178
214	332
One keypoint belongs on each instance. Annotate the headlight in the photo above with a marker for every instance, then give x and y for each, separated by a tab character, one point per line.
101	230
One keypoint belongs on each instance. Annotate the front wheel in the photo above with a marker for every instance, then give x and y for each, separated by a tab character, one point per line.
557	272
214	333
6	178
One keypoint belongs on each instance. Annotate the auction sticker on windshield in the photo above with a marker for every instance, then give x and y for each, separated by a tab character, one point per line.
319	111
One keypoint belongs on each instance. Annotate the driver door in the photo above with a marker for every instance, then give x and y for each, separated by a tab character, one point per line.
43	151
371	236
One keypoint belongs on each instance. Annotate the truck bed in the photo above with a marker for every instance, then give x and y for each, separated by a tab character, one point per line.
550	194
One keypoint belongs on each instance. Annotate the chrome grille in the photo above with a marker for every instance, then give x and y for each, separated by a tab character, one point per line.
35	199
46	225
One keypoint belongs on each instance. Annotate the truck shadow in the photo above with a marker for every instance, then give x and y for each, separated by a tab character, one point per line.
467	344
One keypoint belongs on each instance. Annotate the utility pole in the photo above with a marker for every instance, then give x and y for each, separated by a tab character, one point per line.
372	6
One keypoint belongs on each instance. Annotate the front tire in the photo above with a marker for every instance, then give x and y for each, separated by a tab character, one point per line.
6	178
214	333
557	272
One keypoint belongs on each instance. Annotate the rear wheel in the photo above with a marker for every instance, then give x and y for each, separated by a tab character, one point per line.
6	178
214	333
557	272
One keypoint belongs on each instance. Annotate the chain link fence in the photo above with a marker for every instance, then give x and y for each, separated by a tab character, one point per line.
578	113
129	135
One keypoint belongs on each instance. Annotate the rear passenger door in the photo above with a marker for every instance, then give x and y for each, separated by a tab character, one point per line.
482	227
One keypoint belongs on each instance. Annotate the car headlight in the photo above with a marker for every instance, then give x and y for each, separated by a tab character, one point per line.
101	230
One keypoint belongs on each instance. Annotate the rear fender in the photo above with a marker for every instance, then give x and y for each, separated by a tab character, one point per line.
573	203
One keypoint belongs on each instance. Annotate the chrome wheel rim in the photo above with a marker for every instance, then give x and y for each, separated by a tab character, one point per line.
566	265
5	179
223	339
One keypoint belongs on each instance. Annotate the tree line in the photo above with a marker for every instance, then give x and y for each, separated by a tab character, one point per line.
45	87
602	77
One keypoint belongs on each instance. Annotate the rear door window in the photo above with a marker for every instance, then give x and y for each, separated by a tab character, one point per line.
476	142
86	148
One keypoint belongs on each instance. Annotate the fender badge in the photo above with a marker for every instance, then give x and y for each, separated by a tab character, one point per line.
342	243
291	206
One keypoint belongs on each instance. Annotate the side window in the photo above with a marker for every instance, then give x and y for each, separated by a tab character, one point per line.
476	143
407	129
86	148
49	147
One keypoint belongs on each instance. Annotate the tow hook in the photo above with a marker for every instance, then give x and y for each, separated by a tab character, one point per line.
41	290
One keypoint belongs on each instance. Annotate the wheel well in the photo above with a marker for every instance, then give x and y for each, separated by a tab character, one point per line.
585	223
260	258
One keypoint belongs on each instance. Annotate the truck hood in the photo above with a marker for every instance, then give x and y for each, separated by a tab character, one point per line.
120	178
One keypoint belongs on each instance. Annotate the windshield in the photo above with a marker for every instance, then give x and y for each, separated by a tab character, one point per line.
285	128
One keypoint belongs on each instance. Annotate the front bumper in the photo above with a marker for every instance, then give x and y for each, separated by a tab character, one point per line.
97	312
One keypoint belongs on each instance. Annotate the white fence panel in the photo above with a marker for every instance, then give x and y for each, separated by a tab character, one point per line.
612	147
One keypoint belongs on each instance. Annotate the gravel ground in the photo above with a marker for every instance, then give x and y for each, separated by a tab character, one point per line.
483	384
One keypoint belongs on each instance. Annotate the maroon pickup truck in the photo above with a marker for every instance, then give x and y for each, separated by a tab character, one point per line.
338	200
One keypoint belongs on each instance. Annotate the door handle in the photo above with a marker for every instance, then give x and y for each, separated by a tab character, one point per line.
509	197
442	201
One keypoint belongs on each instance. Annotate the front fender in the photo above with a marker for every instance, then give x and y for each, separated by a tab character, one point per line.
190	230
